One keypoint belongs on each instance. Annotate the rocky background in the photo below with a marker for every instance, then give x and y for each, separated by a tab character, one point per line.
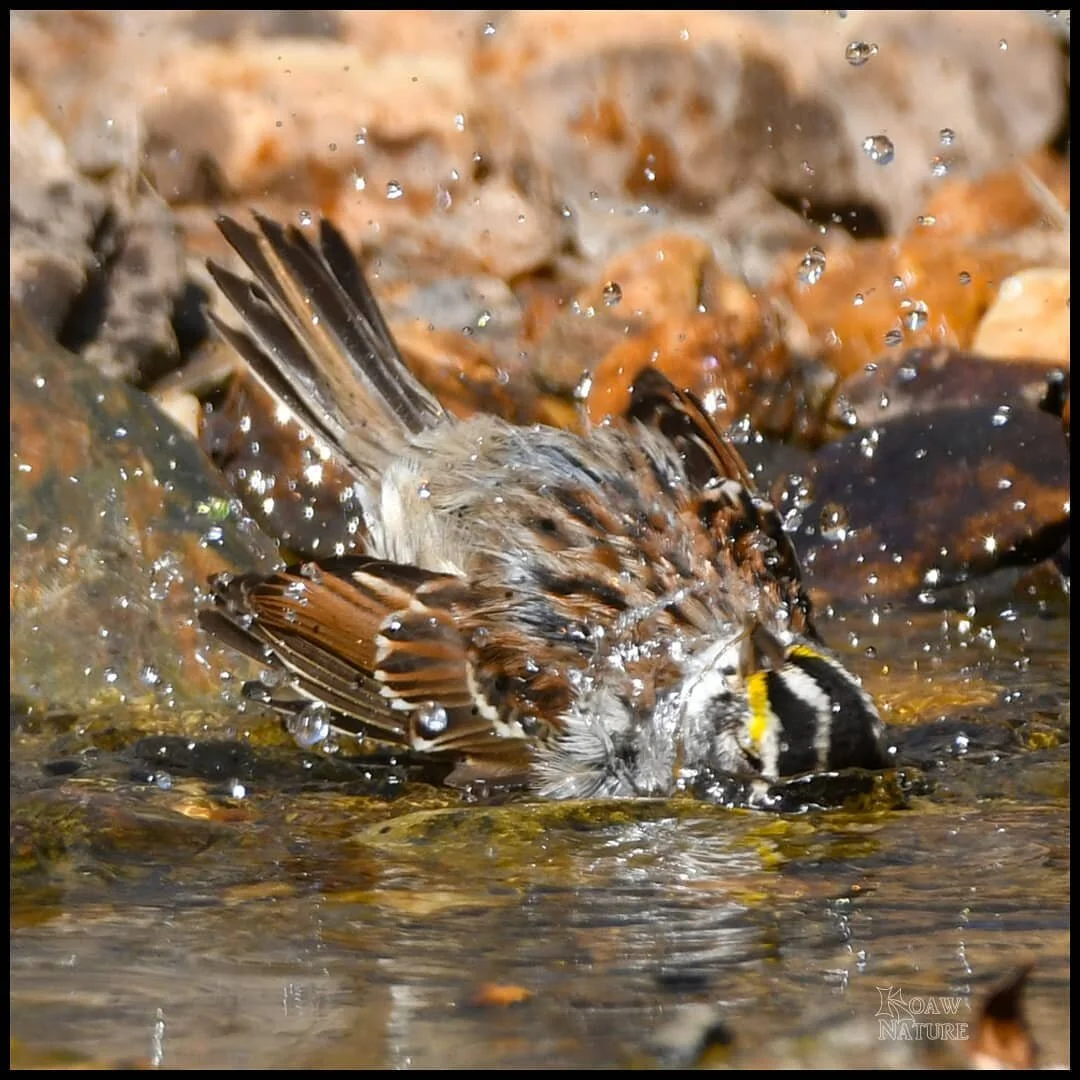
848	232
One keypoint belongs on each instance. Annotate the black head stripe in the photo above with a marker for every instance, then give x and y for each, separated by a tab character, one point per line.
855	726
799	722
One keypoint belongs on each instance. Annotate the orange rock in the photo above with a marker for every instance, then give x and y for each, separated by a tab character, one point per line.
1001	202
661	277
465	376
688	351
704	329
1029	318
910	292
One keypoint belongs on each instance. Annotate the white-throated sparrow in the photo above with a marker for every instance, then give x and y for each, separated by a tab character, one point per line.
611	614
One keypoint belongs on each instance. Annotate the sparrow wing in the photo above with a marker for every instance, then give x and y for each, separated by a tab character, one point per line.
314	336
744	525
679	416
379	643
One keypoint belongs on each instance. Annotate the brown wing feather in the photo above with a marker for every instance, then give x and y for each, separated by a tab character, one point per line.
377	642
678	415
750	529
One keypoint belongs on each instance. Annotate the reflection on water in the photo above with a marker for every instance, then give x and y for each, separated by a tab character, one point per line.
181	928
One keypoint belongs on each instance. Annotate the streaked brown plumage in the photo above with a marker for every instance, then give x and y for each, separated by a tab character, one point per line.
607	614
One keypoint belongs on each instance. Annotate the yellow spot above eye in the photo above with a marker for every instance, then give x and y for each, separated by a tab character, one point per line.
760	711
805	650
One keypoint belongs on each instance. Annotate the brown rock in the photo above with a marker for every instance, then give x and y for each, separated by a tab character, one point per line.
920	381
922	502
116	522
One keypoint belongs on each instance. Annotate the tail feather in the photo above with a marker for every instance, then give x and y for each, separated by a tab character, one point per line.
315	337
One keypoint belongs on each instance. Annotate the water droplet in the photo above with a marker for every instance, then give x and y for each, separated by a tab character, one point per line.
894	338
859	300
237	790
1001	416
310	726
915	314
858	52
812	266
879	149
304	217
848	416
432	719
295	591
423	490
939	167
1003	45
394	190
947	136
489	29
612	293
834	522
271	676
965	278
359	183
459	121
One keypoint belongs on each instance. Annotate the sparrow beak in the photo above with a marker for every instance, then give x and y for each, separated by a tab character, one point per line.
761	650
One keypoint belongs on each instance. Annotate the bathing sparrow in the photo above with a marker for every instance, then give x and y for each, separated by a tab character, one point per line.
617	613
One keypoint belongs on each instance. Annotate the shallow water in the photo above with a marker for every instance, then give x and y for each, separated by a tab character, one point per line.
304	925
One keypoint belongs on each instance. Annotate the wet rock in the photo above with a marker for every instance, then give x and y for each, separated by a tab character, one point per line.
876	296
933	745
678	311
921	502
117	519
1029	318
55	214
921	381
225	763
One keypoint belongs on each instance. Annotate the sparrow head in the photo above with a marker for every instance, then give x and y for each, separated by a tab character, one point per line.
756	706
776	708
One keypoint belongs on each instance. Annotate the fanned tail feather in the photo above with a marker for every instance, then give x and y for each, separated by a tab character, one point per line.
315	337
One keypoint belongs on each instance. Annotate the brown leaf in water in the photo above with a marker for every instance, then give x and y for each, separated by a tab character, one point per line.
1002	1038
